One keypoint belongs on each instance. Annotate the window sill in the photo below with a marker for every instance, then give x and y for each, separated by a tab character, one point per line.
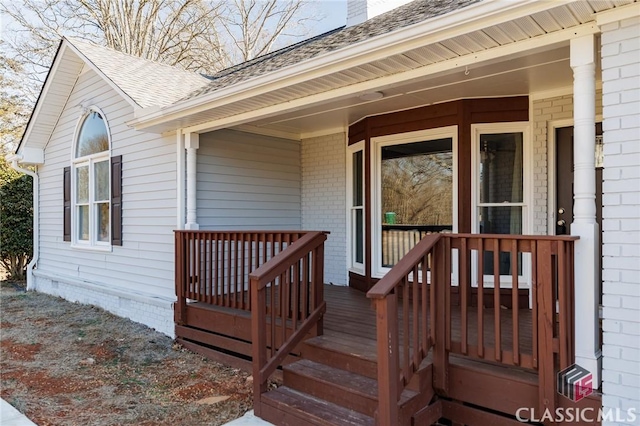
83	247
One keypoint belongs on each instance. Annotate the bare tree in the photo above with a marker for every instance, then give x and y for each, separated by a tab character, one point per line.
198	35
253	27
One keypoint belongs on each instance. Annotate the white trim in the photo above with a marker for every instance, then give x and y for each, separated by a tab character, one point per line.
352	266
264	131
554	93
523	127
618	14
376	145
325	132
89	160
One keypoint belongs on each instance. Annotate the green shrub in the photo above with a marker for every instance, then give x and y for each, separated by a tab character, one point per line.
16	221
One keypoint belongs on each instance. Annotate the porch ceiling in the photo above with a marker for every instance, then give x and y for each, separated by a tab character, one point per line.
519	56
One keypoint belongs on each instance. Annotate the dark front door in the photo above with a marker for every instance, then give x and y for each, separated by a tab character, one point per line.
564	181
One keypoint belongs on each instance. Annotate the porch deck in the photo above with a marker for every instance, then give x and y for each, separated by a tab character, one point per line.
350	315
416	348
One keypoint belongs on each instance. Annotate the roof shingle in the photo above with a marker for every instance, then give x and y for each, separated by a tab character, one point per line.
147	82
411	13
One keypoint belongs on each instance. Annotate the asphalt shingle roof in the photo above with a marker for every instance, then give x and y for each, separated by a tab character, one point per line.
403	16
147	82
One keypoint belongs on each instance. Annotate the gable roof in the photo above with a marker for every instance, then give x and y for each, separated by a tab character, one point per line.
141	82
411	13
146	82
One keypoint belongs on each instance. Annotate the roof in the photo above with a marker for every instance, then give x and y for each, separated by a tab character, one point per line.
403	16
146	82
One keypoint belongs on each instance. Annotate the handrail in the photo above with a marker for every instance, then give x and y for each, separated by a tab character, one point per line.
292	281
387	283
271	269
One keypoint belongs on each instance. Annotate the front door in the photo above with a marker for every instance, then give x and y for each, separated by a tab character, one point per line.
564	182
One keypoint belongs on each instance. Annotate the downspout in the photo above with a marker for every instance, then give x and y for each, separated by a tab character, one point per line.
36	228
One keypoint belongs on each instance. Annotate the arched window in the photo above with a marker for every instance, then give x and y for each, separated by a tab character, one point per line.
91	182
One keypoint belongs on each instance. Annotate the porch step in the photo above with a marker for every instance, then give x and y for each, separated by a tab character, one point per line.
353	391
350	354
286	406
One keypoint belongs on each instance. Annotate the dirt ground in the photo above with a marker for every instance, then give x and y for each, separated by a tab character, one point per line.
64	363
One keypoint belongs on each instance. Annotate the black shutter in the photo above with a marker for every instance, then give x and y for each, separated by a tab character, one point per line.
66	227
116	200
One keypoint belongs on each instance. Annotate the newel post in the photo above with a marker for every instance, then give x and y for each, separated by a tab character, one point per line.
318	284
388	368
258	343
180	313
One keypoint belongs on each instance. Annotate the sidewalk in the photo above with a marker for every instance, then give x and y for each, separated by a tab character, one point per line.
9	416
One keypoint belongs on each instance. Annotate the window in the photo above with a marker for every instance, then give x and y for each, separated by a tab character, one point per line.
501	186
415	188
355	172
91	183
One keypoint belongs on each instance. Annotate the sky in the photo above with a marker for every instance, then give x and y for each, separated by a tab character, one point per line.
334	11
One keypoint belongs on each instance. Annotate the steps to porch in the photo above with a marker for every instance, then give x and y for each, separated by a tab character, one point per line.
332	384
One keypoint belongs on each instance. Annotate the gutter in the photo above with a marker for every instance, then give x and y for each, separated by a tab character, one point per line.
479	15
14	159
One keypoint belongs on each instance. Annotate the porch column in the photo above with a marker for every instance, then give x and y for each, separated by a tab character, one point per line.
587	275
191	143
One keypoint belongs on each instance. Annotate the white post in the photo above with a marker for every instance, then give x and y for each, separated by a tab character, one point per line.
180	180
587	273
191	143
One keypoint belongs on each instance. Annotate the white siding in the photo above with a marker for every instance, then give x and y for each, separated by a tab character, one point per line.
621	216
248	182
324	184
143	266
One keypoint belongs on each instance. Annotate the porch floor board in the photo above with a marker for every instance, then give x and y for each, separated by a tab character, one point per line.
351	316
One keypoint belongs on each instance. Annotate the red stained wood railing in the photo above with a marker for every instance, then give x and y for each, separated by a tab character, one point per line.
403	344
417	313
287	304
213	266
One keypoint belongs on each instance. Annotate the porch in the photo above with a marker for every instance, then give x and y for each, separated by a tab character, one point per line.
416	348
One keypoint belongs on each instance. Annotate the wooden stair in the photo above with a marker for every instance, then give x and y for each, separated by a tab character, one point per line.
334	384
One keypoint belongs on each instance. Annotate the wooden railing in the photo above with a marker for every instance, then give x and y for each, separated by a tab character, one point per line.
539	339
213	266
287	304
402	347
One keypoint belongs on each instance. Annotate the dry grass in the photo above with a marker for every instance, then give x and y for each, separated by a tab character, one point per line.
69	364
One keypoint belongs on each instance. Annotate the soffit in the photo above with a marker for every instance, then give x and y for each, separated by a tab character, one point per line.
508	33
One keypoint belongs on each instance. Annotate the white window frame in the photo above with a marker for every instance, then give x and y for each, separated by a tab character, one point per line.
377	143
524	127
90	161
353	265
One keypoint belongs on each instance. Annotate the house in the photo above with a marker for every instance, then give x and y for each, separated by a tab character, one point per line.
466	175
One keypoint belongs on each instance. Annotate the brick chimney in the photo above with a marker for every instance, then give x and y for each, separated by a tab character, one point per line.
359	11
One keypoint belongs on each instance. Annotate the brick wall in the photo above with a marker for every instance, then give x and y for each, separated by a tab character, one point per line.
545	111
621	215
151	310
324	199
